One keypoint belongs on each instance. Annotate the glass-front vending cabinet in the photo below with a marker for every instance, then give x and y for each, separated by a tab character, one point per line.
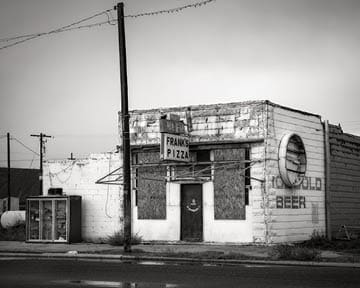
53	219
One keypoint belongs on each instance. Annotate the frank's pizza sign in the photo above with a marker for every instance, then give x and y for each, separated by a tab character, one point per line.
174	147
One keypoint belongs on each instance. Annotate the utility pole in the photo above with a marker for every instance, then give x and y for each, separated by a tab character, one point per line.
8	172
41	137
71	156
125	128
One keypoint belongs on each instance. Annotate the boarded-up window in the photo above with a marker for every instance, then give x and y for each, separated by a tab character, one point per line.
151	186
197	168
229	184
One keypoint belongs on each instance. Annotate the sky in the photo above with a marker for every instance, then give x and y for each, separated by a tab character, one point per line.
304	54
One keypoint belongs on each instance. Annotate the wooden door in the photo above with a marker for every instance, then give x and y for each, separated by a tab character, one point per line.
191	212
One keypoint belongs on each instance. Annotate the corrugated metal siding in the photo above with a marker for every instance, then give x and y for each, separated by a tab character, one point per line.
294	224
344	179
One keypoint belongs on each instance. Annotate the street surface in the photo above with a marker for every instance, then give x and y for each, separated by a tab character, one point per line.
22	272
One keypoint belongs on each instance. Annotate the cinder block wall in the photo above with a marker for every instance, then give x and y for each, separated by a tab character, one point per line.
101	204
344	179
231	121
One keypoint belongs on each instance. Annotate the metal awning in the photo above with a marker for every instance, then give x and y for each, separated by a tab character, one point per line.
113	178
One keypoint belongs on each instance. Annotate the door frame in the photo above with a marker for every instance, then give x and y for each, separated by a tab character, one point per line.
202	210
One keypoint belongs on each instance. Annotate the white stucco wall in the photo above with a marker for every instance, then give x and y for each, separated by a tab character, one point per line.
101	204
224	230
213	230
160	229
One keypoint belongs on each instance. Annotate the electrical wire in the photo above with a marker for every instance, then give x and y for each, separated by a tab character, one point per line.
55	30
208	167
24	38
8	39
31	163
108	191
50	32
85	135
61	29
111	21
52	175
63	181
172	10
17	160
22	144
63	170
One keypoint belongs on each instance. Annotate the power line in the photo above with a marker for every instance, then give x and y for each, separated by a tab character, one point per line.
17	160
17	152
28	148
85	135
36	35
28	37
51	32
172	10
56	30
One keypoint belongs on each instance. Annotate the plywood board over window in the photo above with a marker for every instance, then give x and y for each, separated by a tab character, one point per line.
196	169
229	184
151	187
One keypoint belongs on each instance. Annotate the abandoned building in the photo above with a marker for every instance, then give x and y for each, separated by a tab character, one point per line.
248	172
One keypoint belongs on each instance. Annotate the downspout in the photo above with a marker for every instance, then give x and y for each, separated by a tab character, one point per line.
327	180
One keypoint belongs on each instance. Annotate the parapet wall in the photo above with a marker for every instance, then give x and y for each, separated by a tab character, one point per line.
205	123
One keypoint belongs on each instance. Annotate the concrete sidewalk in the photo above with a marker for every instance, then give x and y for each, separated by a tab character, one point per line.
250	251
202	252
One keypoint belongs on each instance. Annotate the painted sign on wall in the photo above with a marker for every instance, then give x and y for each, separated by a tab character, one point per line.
174	147
290	202
308	183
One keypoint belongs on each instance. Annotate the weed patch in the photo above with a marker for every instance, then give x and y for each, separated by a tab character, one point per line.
291	252
118	239
16	233
319	241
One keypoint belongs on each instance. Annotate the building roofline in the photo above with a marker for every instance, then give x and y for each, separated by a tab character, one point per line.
195	107
214	106
292	109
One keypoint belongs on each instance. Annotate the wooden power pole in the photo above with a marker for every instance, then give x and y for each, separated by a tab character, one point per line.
8	173
41	137
125	128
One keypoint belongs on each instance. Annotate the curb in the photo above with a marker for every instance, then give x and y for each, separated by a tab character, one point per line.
121	258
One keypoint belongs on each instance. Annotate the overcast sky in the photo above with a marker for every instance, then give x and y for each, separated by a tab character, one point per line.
299	53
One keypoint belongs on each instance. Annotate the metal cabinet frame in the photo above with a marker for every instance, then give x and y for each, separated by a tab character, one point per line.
72	218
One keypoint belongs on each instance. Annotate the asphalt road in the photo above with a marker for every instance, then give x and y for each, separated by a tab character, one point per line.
84	273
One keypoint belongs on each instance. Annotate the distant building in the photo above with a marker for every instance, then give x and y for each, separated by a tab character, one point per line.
255	172
24	183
